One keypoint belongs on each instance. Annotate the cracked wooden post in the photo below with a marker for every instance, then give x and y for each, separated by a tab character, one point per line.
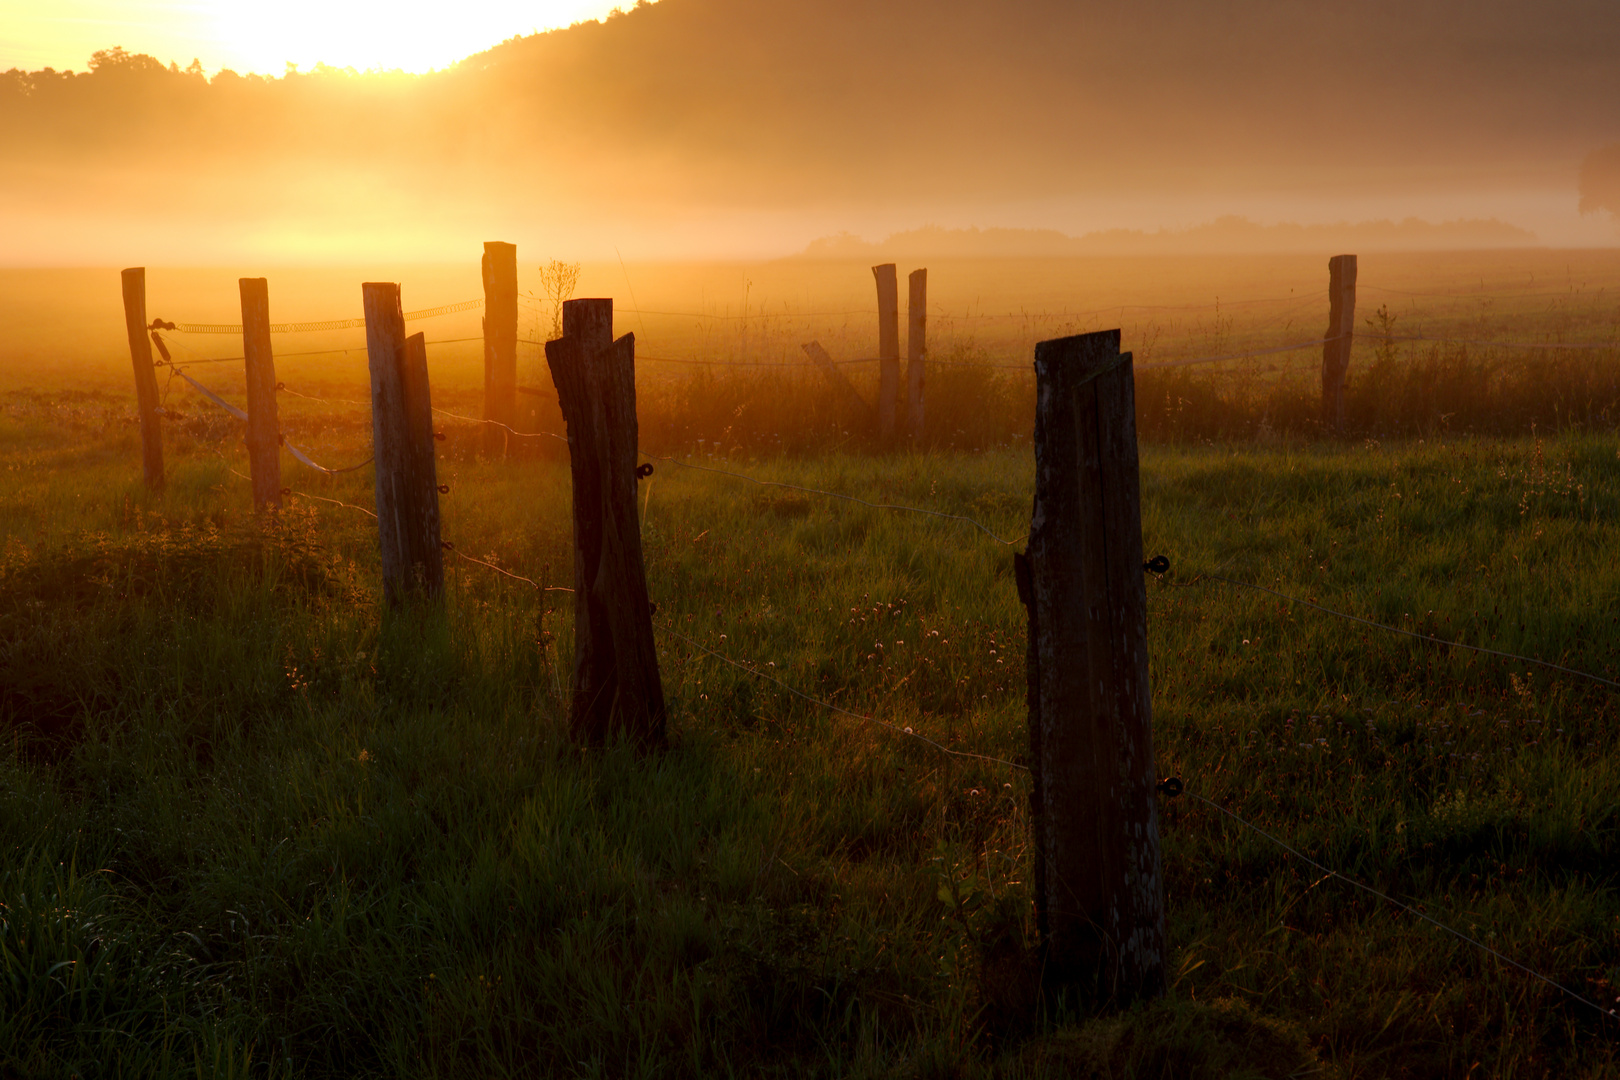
888	292
402	444
1099	886
1340	335
916	352
264	425
146	390
616	686
500	345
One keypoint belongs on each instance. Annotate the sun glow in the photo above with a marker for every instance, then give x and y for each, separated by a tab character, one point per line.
407	35
411	36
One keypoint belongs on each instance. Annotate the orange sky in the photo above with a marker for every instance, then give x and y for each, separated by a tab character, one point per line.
413	35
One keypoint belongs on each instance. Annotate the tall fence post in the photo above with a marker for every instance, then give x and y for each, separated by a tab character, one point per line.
1099	887
500	344
916	352
888	292
1340	335
616	685
264	425
402	444
146	391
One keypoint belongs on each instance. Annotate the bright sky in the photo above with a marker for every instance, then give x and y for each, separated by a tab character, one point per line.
265	35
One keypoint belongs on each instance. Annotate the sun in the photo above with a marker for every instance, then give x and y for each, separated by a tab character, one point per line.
406	35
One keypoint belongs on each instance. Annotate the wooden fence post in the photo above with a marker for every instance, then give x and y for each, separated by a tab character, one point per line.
835	378
402	443
916	352
1098	881
888	291
1340	335
264	425
616	685
146	391
500	344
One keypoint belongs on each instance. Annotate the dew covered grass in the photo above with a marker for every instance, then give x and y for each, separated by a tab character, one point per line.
252	825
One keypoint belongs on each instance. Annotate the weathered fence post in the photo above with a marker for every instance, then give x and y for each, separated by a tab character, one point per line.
1099	889
616	685
916	352
500	344
1340	335
146	391
888	291
264	425
835	378
402	443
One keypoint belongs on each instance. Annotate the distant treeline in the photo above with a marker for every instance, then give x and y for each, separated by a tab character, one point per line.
737	102
1225	234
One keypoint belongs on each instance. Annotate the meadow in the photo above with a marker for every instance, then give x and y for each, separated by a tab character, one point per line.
253	824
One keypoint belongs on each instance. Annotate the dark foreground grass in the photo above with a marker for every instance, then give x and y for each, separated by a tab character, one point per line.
250	825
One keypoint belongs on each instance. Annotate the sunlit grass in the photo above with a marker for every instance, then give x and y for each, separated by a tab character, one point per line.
244	817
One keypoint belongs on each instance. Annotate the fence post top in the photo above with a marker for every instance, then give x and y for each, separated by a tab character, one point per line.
1080	358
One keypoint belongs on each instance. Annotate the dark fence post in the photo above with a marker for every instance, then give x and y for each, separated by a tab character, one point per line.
888	292
402	443
146	391
616	685
264	425
1098	881
500	344
916	352
1340	335
835	378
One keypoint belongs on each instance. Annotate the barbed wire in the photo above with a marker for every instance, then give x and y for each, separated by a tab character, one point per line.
1485	343
293	449
285	389
840	495
1403	906
1479	295
906	731
326	324
1429	638
452	549
497	423
323	498
1153	364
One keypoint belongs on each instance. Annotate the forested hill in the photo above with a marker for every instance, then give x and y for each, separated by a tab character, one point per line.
753	103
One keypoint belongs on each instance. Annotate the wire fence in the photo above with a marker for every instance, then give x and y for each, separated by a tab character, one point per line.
307	327
910	733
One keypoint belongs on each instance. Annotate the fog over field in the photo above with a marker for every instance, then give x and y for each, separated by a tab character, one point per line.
722	128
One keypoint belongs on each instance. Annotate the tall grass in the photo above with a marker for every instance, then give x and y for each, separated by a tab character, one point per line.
251	824
975	402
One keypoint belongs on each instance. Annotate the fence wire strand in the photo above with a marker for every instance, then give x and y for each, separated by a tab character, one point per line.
840	495
296	451
497	423
1403	906
327	324
666	628
1428	638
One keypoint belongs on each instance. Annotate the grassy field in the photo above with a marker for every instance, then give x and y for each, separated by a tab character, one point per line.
249	825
